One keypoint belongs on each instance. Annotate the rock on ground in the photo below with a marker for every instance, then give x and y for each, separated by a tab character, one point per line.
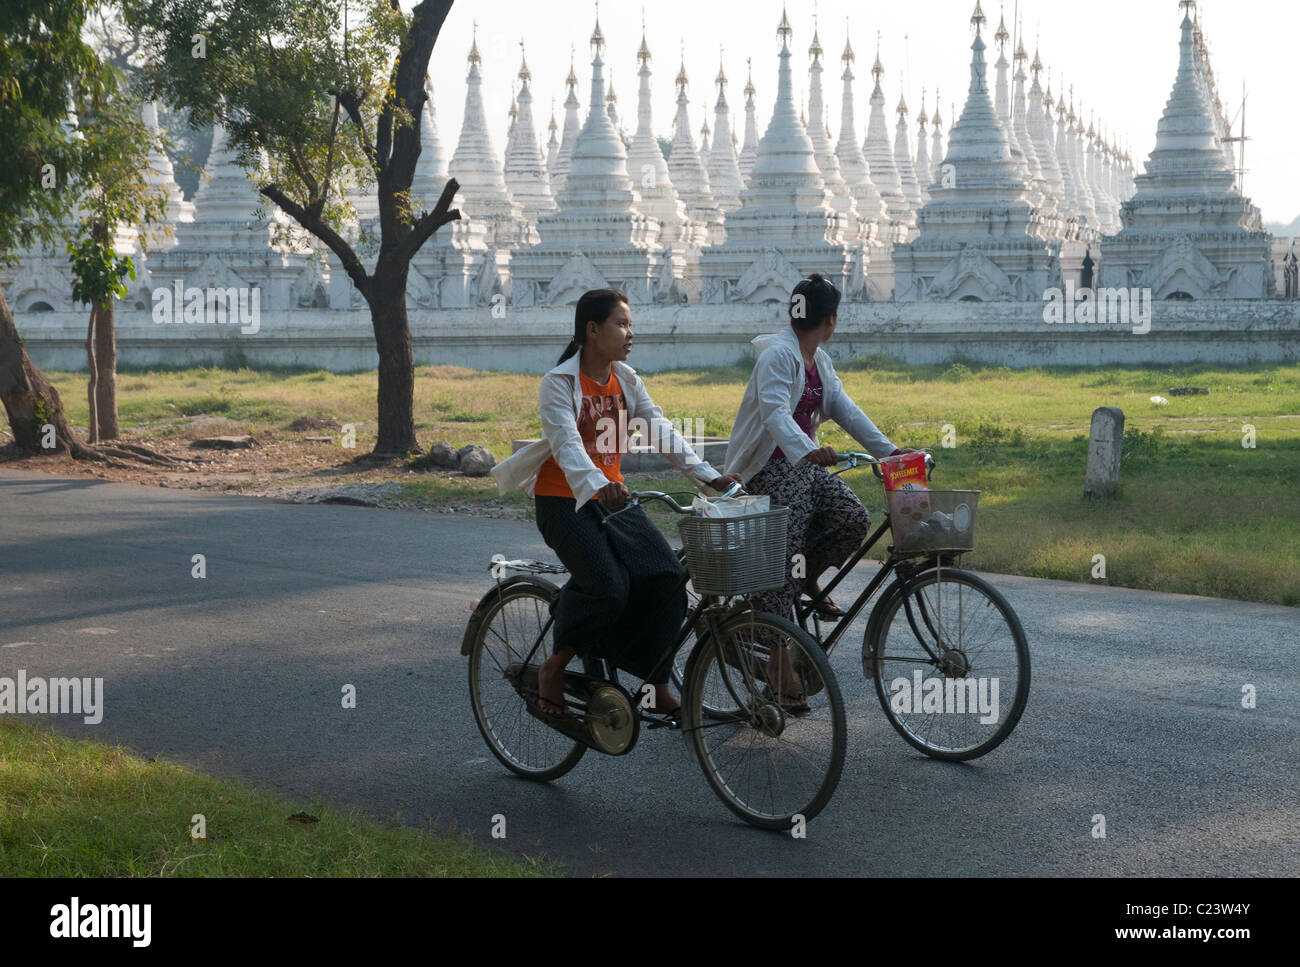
476	461
224	443
444	456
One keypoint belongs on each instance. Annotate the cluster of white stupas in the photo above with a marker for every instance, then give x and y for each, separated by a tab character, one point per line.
1019	197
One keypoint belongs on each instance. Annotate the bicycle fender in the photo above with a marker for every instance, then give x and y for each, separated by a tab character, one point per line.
490	598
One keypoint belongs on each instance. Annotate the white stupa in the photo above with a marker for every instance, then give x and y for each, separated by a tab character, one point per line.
1002	106
1185	233
688	172
725	179
1040	195
446	270
873	218
1038	124
679	236
704	152
229	242
839	194
552	145
924	170
749	150
785	228
884	171
936	140
483	194
903	158
510	130
572	125
976	236
161	175
525	168
1107	208
597	238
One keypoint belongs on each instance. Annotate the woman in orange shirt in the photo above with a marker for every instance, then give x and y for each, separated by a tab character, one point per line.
626	598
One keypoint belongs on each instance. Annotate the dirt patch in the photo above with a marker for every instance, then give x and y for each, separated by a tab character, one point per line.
284	466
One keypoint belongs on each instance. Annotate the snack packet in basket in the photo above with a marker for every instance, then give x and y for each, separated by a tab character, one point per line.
731	506
905	486
906	468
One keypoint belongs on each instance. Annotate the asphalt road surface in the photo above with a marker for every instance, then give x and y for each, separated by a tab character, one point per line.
1135	711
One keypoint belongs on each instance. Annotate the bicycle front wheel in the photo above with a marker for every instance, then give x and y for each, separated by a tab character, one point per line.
775	757
951	664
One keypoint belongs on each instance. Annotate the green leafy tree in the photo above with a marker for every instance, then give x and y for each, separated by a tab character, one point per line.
42	61
332	92
111	190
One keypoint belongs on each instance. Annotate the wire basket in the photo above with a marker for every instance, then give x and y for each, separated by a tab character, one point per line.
736	555
926	521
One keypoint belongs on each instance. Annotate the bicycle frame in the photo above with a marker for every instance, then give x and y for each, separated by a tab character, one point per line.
903	571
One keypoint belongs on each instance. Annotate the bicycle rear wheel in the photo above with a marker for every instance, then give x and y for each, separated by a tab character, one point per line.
768	761
948	654
509	628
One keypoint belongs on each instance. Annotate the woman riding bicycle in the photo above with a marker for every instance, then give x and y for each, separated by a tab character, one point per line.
626	599
773	446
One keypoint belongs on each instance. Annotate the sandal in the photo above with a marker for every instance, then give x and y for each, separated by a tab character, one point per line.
535	702
827	610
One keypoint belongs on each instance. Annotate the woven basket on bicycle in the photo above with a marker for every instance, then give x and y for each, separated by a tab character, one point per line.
736	555
930	521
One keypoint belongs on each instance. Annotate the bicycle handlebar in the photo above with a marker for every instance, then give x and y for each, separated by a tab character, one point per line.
852	459
636	496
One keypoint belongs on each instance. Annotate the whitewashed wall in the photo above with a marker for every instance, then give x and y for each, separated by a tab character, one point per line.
529	340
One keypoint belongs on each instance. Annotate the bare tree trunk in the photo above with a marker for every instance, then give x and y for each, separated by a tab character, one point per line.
396	364
30	401
106	383
92	423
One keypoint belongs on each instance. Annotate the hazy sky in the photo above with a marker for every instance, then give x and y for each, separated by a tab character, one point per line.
1120	55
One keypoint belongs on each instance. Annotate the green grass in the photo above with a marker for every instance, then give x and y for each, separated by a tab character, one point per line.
77	808
1196	513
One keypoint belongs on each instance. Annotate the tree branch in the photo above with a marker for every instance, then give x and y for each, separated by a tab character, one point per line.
430	222
318	227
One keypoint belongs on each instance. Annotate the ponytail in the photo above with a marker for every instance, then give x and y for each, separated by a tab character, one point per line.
594	306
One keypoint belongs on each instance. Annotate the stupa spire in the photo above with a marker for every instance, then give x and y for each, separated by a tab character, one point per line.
477	167
903	157
572	125
840	196
853	163
689	175
936	138
963	250
880	160
525	168
725	178
649	169
749	151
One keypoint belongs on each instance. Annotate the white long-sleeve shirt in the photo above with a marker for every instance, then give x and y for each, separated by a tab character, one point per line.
561	401
766	421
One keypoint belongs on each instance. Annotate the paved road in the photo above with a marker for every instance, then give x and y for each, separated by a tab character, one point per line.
1135	711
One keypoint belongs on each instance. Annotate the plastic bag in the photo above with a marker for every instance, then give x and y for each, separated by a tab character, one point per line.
731	506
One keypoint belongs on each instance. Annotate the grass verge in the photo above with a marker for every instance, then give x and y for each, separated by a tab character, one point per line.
78	808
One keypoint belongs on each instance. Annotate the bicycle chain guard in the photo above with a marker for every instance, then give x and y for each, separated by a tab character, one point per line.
609	724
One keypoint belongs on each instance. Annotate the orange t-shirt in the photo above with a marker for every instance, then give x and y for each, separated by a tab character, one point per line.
600	401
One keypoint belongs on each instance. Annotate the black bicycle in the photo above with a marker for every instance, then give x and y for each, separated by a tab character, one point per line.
947	652
761	710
